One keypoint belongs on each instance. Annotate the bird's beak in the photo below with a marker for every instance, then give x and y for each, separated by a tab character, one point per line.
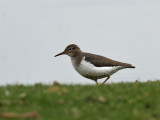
62	53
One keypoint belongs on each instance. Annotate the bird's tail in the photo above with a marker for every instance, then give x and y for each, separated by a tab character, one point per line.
131	66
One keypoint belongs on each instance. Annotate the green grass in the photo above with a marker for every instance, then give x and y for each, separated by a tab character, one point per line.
121	101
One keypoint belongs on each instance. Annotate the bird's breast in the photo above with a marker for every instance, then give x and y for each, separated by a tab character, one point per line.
88	70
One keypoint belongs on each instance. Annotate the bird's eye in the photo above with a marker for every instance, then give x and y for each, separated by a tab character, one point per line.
70	49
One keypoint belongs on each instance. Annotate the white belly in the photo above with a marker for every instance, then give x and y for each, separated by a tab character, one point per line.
88	70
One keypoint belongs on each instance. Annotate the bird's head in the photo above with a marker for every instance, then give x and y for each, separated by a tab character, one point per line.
70	50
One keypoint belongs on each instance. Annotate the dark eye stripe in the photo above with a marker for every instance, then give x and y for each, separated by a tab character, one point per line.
71	48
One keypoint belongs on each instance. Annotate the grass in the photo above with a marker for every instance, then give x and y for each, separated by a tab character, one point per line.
118	101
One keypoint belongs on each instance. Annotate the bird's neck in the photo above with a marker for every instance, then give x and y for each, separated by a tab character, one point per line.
77	57
77	54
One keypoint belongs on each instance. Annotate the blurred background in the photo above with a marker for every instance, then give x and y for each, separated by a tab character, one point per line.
32	32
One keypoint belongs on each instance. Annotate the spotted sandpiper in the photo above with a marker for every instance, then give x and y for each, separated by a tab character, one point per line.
93	66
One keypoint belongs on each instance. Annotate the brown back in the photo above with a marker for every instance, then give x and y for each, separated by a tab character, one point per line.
100	61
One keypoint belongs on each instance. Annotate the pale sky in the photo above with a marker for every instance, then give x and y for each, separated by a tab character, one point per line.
32	32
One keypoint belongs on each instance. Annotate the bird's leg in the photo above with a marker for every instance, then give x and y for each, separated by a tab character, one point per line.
96	82
106	79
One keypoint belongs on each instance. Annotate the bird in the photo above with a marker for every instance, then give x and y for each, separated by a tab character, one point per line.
93	66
